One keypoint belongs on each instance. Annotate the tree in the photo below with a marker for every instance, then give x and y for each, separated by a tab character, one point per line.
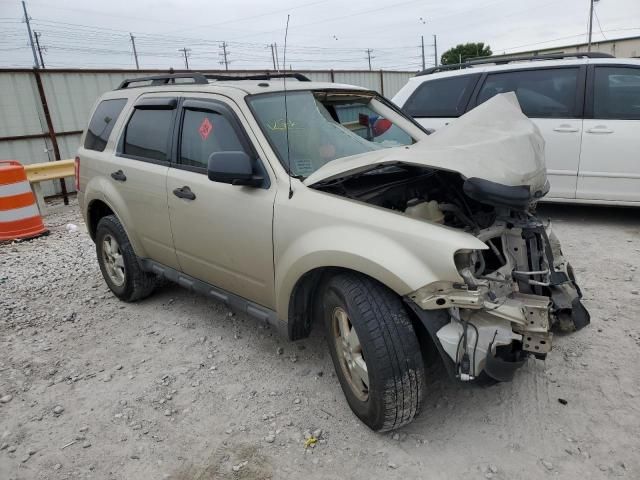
462	52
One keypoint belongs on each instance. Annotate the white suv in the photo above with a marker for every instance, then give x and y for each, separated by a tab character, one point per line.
587	108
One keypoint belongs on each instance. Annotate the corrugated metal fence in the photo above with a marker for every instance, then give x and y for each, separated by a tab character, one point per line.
28	97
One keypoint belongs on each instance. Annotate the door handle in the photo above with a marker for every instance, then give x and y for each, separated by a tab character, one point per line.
565	128
184	192
600	129
119	176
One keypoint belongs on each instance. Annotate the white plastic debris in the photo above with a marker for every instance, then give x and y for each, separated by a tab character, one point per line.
71	227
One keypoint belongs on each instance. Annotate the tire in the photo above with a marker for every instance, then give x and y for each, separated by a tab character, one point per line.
388	345
119	264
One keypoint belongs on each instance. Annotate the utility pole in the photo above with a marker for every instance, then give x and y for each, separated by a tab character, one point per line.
224	56
33	48
435	50
369	57
275	45
135	53
422	44
590	24
185	51
273	57
37	35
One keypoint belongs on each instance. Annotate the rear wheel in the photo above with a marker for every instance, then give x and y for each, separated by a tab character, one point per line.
119	264
375	351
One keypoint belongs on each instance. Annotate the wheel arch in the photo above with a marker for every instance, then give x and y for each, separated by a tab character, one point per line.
303	306
98	208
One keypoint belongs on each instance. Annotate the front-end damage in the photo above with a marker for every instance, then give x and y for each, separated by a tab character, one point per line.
483	174
513	295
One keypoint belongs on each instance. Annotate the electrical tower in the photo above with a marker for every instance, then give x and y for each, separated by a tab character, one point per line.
224	54
135	53
40	49
185	52
369	56
33	47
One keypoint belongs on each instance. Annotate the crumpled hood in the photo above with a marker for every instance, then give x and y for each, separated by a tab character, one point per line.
495	142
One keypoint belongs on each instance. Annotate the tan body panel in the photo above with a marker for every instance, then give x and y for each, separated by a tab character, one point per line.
315	229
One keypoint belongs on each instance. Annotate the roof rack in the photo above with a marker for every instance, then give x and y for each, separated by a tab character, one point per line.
503	61
267	76
197	78
200	78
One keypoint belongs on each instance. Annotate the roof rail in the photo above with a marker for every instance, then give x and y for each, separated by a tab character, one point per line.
197	78
503	61
267	76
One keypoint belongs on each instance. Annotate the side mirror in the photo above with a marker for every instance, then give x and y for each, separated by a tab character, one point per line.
235	168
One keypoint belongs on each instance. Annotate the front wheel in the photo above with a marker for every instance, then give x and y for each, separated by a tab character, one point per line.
375	351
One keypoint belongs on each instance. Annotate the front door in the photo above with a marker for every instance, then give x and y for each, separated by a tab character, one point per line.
222	233
610	158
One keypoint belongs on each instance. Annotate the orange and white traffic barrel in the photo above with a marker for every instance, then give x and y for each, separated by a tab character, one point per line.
19	214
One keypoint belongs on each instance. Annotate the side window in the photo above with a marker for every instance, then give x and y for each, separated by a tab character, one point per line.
616	93
446	97
148	134
101	123
548	93
204	133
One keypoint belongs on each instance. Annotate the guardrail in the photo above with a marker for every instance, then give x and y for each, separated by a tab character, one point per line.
41	172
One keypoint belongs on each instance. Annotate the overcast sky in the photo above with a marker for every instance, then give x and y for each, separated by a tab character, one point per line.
322	33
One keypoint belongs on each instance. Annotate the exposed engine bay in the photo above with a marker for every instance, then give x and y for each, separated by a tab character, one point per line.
514	292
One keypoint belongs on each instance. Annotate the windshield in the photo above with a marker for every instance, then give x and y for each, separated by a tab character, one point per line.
324	126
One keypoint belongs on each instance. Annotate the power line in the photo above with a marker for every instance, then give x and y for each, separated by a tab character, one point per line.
599	26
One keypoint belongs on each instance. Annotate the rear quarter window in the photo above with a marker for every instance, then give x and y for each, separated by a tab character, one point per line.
102	122
445	97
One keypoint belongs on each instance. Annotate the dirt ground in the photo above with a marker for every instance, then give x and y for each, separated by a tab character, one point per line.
177	387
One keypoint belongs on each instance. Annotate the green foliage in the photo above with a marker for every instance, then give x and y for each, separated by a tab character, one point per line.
463	52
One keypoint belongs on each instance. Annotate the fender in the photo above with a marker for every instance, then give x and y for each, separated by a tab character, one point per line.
386	259
100	188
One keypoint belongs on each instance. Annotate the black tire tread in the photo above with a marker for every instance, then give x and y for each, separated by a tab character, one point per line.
141	283
391	332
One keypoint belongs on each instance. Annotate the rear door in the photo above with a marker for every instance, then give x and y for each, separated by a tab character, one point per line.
223	233
139	173
553	99
610	158
435	103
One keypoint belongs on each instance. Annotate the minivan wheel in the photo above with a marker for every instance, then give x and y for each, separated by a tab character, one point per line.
374	349
119	264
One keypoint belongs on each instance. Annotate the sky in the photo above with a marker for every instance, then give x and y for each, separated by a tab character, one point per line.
322	34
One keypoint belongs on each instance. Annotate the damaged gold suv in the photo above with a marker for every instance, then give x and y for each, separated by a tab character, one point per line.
324	205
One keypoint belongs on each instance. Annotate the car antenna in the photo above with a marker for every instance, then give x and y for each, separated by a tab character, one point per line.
286	111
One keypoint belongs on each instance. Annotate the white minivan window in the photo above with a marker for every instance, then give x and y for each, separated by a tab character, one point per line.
446	97
546	93
616	93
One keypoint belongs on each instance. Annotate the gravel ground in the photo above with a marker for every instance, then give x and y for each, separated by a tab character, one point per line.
178	387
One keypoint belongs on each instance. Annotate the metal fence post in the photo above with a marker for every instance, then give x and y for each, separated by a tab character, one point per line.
51	132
